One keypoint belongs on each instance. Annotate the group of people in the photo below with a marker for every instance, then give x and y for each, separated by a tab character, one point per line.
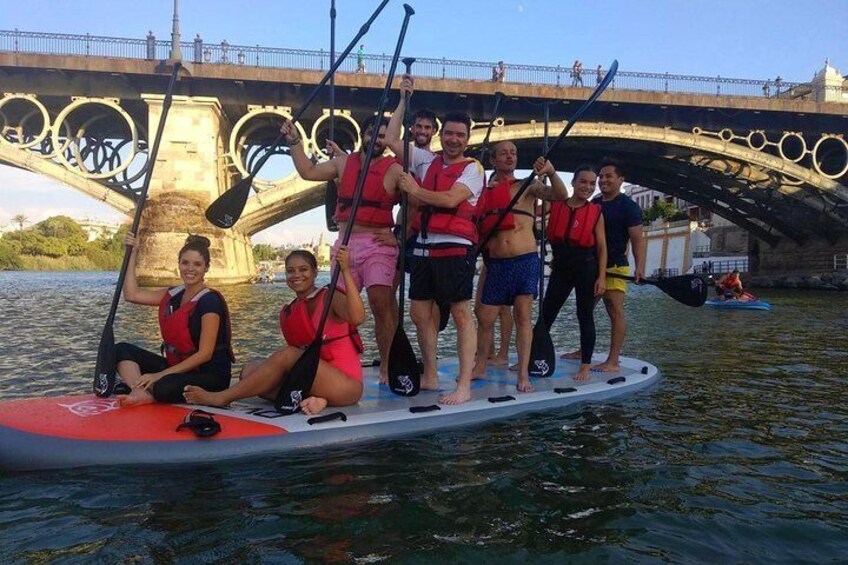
454	208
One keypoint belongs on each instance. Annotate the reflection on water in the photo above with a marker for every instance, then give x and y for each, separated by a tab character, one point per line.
739	454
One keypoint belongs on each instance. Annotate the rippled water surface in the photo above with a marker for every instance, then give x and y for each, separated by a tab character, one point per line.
740	454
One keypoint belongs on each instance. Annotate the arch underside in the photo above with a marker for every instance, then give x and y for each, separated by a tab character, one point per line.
767	195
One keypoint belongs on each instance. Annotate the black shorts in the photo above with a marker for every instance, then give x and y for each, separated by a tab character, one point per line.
170	387
445	279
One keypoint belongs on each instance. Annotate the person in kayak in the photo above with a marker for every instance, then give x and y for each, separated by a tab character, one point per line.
729	286
195	325
338	381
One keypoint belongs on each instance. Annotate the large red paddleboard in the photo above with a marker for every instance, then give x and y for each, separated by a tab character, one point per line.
77	431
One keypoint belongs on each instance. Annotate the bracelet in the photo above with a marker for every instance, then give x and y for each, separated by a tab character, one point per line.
295	142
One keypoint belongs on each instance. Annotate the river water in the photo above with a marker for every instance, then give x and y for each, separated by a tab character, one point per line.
739	454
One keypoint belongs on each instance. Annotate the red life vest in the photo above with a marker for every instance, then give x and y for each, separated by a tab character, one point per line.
298	327
574	227
460	221
493	202
177	343
731	282
375	207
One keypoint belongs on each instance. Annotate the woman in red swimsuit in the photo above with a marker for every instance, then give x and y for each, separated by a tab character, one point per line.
338	381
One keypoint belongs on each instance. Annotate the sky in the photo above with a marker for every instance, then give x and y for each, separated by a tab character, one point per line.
754	39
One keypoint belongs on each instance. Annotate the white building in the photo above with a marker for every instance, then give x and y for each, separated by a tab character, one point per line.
97	228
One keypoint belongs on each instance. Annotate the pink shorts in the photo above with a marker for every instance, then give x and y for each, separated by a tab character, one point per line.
371	263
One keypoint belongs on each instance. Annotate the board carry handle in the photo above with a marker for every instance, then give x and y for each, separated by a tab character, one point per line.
327	418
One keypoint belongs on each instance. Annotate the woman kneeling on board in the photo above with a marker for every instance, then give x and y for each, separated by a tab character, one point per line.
195	325
338	381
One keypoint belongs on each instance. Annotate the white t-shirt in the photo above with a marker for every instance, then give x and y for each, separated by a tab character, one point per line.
472	176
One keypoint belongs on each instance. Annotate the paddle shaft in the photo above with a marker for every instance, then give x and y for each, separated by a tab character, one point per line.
574	119
360	181
485	146
543	251
330	75
142	197
333	75
404	200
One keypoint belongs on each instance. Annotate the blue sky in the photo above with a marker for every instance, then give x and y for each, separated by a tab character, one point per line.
732	38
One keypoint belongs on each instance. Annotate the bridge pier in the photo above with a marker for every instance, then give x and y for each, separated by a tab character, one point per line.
188	176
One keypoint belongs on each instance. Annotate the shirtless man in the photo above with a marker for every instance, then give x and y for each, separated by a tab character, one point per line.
512	277
373	247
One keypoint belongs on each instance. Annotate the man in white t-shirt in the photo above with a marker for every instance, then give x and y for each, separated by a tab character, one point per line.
445	263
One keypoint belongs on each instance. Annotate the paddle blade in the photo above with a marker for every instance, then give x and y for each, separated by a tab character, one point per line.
331	197
542	354
404	376
227	208
298	382
105	368
444	316
690	290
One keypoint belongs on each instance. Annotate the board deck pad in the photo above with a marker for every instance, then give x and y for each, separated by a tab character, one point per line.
83	430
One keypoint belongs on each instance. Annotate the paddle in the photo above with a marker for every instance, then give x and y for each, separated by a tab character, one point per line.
106	365
331	196
574	119
404	375
690	290
298	382
542	362
227	208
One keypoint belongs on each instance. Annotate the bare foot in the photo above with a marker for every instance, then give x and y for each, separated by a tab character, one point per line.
429	383
458	396
313	405
582	374
572	355
607	367
524	385
196	395
137	397
499	361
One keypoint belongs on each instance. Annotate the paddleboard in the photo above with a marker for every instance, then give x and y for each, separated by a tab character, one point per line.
739	304
83	430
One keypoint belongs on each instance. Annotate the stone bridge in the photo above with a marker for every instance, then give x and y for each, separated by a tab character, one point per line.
775	165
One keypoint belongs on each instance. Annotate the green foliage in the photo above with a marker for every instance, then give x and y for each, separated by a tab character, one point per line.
662	210
264	252
59	243
9	258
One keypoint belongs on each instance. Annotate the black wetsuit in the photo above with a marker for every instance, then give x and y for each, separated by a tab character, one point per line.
573	268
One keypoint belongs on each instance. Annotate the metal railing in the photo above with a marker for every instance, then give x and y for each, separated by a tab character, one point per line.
665	273
200	52
722	267
840	261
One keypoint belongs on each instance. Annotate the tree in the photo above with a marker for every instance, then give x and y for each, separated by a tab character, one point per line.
20	219
9	258
264	252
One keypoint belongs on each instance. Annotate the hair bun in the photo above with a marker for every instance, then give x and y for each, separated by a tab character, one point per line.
194	239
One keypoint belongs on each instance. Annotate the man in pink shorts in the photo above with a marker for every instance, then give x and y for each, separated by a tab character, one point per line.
373	246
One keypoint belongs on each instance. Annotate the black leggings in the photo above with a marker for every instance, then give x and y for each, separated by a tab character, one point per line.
170	387
577	271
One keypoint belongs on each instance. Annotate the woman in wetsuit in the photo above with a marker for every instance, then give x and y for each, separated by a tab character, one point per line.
338	381
195	325
579	245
